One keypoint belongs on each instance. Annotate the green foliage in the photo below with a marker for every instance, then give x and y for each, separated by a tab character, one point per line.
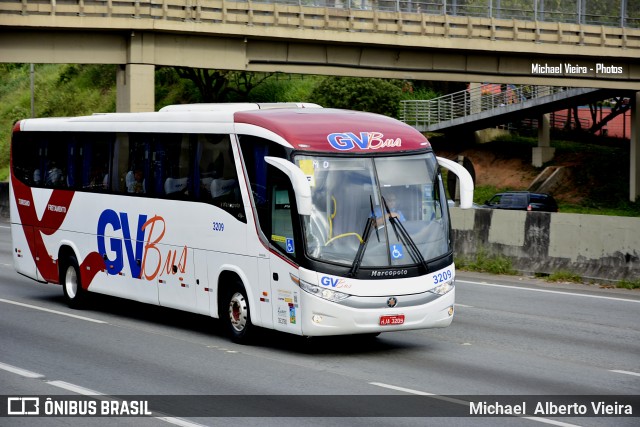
372	95
170	88
409	92
486	263
564	276
629	284
570	277
59	90
292	88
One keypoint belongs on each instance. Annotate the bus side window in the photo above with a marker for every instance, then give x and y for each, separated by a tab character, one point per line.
26	152
254	150
177	162
55	168
94	153
223	185
131	163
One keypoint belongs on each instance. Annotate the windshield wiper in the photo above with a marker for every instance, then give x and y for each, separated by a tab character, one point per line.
373	215
371	221
403	236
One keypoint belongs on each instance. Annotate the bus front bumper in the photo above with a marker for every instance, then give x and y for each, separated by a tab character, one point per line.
324	318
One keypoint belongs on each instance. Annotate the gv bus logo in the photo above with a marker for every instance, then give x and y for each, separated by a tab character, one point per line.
144	254
365	141
134	251
329	281
334	282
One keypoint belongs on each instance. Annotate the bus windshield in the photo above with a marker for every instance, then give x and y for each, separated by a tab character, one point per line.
401	197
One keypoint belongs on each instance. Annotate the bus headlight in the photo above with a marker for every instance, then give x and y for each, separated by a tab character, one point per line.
443	288
323	293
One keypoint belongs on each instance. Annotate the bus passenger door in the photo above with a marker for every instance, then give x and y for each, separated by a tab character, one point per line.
286	292
286	297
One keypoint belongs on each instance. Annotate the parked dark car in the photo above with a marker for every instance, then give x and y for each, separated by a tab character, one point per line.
522	201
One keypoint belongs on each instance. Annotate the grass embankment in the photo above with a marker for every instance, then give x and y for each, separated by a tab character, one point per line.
59	90
570	277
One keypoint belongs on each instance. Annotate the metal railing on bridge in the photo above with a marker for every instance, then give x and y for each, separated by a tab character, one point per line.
422	114
594	12
611	13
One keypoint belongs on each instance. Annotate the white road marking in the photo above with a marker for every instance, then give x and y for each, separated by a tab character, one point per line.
35	307
75	388
466	403
19	371
625	372
548	291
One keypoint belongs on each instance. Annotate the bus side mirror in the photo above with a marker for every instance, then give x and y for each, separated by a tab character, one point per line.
299	181
466	182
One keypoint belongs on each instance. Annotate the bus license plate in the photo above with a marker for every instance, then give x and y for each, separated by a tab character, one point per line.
397	319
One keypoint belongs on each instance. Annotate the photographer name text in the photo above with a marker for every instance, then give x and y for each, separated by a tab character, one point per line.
550	408
573	69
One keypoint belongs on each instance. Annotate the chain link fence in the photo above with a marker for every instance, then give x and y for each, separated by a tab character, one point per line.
616	13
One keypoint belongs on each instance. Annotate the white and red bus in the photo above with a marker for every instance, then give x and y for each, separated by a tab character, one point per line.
297	218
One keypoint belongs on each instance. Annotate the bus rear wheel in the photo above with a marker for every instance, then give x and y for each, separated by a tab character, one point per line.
235	315
74	294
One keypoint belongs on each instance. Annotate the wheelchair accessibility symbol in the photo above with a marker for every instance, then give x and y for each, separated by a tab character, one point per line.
290	247
397	252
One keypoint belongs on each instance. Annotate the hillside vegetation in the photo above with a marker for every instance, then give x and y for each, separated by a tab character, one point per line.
59	90
599	170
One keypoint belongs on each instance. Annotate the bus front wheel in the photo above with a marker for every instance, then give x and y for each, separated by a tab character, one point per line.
236	316
74	294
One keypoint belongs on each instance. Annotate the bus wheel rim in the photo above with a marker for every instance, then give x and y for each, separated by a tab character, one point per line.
71	282
238	312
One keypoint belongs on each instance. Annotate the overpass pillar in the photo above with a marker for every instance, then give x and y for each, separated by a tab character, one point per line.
634	175
135	88
135	80
475	98
543	152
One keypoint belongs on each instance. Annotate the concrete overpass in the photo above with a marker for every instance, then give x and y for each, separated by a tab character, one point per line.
299	38
270	36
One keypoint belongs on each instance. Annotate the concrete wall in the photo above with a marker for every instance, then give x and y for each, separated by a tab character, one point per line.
4	199
593	246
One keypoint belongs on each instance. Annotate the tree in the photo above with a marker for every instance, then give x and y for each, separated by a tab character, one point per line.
365	94
222	85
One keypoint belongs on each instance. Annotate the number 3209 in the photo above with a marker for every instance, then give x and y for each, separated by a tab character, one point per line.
443	276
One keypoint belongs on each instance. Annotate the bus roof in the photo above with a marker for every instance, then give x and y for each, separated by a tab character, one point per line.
304	126
238	106
332	130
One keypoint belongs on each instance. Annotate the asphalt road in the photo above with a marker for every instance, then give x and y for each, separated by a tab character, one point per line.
511	336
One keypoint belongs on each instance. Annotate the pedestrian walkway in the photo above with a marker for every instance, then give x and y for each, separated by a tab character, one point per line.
490	105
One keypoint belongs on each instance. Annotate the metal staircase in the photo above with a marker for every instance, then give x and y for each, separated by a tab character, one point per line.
492	104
